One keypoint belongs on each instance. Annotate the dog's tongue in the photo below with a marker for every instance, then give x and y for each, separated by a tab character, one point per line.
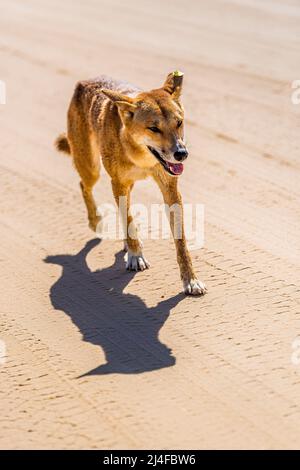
176	168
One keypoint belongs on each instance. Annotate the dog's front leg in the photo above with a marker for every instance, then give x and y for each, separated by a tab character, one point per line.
172	198
135	258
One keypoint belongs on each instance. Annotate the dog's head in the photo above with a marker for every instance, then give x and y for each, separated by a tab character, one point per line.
153	121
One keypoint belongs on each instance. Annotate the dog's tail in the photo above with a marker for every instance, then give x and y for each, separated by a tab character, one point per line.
62	144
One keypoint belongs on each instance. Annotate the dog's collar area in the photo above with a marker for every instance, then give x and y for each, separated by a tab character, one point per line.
174	169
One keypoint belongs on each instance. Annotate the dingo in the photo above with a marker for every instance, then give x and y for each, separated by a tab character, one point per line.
138	134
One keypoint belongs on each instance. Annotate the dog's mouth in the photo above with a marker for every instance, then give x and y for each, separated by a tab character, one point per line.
174	169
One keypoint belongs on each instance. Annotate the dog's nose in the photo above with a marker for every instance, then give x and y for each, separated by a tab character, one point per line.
180	155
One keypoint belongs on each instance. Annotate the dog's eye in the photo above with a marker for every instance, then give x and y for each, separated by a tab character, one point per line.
179	124
155	129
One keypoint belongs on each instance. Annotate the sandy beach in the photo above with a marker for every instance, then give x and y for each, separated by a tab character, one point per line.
94	357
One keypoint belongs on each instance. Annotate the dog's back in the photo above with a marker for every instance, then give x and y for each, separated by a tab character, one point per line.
88	96
87	105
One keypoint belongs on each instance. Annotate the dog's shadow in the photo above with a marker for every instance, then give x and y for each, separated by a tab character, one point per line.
125	328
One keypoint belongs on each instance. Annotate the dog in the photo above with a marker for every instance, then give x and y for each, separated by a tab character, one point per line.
137	134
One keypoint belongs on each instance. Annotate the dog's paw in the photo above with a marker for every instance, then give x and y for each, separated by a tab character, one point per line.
194	287
136	262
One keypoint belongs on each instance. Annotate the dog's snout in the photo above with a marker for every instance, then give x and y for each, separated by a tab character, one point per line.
180	155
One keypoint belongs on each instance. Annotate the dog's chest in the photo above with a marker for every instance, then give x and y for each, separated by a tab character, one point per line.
136	173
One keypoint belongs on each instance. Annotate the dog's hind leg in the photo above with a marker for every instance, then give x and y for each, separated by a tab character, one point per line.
86	157
89	172
87	193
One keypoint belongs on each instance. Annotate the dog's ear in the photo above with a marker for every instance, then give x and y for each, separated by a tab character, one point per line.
173	84
116	96
126	111
125	104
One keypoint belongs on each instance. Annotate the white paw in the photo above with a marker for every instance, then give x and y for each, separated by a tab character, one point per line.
136	262
194	287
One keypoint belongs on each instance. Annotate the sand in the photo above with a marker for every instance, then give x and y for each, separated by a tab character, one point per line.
100	358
